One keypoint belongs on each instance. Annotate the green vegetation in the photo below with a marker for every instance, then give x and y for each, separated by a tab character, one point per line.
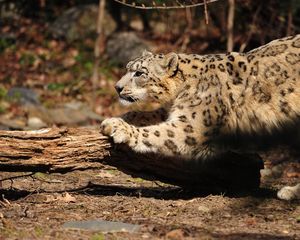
6	43
27	59
3	95
56	86
40	176
39	232
3	92
98	236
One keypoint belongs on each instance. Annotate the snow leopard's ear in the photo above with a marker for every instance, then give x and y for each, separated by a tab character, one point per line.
146	53
128	66
171	61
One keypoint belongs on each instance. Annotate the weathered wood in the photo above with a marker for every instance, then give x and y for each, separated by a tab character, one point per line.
52	149
67	149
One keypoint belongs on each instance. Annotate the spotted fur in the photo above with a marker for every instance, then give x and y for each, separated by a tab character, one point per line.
206	97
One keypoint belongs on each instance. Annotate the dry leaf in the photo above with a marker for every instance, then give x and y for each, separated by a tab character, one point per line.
176	234
66	197
293	175
68	62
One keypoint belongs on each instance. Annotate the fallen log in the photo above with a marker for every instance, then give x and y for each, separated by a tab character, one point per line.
67	149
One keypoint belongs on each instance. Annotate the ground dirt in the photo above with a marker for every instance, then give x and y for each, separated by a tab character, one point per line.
35	206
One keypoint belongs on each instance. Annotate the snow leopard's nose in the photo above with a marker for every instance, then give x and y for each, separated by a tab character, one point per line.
118	89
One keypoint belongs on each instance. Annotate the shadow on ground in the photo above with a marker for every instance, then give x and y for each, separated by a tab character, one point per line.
160	192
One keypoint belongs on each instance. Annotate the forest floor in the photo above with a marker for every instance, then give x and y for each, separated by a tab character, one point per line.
35	206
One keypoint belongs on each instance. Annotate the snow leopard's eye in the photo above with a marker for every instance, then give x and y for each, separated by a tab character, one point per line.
138	73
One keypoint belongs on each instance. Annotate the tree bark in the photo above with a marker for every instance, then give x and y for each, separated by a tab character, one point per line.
98	47
67	149
52	149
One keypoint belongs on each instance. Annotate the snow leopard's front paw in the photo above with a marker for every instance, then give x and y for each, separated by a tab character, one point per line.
117	129
289	193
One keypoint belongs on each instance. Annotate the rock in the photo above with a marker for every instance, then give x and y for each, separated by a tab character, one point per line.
5	128
69	114
266	173
18	123
84	110
65	116
38	112
23	95
277	171
74	113
102	225
34	123
125	46
79	23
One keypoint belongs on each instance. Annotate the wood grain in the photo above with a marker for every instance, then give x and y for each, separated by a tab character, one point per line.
67	149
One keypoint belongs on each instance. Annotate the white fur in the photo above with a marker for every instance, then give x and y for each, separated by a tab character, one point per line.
289	193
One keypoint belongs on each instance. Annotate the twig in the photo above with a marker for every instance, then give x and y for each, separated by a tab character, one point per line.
4	202
142	6
205	12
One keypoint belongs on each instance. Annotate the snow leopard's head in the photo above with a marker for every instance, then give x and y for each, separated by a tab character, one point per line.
149	78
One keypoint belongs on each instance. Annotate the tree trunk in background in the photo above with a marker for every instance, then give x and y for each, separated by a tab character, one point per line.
66	149
289	19
98	44
230	22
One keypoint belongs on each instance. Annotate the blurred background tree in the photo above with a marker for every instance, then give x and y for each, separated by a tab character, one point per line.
48	47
